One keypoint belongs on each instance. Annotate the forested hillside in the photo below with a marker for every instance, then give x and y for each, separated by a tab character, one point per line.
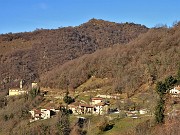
145	60
29	55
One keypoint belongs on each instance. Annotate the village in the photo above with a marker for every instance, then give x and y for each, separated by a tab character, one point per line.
100	104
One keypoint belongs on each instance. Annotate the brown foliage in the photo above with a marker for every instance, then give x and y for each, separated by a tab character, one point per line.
171	127
151	57
32	54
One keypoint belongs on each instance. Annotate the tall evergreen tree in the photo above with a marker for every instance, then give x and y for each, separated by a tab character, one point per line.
159	112
169	82
63	123
160	88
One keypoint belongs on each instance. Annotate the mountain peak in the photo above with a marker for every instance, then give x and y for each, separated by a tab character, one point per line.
95	21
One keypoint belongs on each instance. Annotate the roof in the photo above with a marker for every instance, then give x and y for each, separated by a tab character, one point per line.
14	88
33	82
100	104
97	98
177	87
47	108
37	111
86	105
74	104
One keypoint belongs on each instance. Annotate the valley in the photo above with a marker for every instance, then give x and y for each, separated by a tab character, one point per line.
99	77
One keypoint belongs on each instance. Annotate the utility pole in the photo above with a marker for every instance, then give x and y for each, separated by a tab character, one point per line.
89	125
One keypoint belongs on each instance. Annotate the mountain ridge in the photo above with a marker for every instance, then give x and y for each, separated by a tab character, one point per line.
28	55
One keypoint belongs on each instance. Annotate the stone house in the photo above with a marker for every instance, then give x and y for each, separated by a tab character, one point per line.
74	107
39	114
101	108
17	91
86	109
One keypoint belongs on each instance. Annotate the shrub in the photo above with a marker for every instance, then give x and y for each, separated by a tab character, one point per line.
67	99
105	126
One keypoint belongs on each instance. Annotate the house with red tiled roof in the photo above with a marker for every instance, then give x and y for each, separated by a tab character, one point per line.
35	115
79	108
96	100
96	106
74	107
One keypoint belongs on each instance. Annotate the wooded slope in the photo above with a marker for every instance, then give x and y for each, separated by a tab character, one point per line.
151	57
29	55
